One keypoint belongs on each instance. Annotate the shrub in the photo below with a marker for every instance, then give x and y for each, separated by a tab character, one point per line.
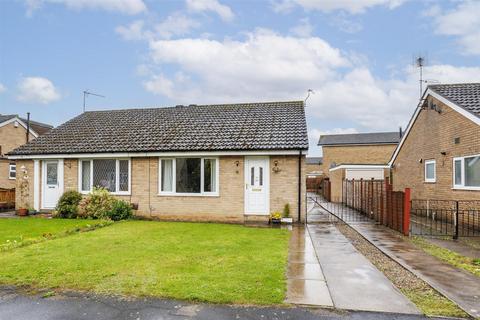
286	211
67	206
121	210
100	204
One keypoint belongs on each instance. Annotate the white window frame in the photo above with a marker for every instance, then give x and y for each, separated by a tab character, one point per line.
202	178
462	186
434	179
12	168
117	176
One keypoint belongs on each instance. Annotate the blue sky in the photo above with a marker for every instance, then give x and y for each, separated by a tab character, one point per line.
357	56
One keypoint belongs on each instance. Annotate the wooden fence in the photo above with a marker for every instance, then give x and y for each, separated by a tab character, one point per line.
7	199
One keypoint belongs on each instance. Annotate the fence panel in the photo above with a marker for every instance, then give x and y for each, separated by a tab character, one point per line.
7	199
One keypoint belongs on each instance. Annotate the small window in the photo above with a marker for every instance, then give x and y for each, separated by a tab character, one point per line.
12	171
466	172
430	171
86	175
252	176
261	176
458	172
167	175
209	175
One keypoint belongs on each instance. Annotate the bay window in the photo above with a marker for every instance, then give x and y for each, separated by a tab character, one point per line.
111	174
466	172
188	176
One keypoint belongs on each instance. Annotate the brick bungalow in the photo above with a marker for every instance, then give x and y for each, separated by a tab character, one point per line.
356	156
13	133
226	162
439	155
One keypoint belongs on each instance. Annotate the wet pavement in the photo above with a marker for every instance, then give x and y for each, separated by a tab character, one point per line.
458	285
306	284
353	281
18	306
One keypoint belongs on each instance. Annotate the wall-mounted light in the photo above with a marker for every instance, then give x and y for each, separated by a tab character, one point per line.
276	168
237	164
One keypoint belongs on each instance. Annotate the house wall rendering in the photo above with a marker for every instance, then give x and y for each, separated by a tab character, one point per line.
440	137
227	206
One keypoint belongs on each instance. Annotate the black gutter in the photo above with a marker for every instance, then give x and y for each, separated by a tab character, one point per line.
299	185
28	126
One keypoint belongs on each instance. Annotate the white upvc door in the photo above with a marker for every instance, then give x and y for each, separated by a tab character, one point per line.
257	185
52	183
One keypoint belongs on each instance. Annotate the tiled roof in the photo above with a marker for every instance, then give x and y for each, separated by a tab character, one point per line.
38	127
314	160
360	138
252	126
465	95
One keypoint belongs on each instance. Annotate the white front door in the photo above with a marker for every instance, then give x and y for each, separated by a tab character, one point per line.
257	182
52	183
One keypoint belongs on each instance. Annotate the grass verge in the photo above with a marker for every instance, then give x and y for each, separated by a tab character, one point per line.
466	263
192	261
428	300
15	233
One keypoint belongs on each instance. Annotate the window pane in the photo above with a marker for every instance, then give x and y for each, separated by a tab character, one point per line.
472	171
86	175
104	172
252	176
52	173
209	175
123	178
188	175
430	170
261	176
458	172
167	175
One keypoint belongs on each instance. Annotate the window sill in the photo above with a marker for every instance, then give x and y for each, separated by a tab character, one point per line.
112	193
12	178
430	182
188	195
467	188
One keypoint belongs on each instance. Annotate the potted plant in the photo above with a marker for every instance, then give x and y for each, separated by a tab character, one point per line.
286	215
275	217
24	194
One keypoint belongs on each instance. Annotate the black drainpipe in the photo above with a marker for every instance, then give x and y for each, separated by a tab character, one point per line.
28	126
299	185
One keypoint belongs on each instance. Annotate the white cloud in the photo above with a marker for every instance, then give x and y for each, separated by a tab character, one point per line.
350	6
37	90
303	29
222	10
2	88
176	24
464	23
123	6
269	66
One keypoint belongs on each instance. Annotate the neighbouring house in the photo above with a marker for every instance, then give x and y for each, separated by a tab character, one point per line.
314	166
439	155
356	156
13	133
227	162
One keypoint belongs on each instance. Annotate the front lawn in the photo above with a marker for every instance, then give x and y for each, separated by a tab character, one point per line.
27	229
207	262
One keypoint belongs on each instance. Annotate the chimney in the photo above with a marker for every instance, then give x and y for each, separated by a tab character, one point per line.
400	132
28	126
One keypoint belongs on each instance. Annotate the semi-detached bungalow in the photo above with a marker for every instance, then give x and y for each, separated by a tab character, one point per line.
224	162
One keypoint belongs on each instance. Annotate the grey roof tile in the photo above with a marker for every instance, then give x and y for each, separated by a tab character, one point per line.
360	138
465	95
252	126
38	127
314	160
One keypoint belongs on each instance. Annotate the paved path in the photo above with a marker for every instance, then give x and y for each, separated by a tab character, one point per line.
79	306
354	283
306	284
458	285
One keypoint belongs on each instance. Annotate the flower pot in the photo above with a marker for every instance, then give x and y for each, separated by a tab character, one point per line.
287	220
22	212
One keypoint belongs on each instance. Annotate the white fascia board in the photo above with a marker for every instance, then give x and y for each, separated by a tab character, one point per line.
156	154
360	166
440	98
23	124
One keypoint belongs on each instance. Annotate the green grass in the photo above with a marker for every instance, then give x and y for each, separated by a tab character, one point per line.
432	304
18	232
469	264
193	261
